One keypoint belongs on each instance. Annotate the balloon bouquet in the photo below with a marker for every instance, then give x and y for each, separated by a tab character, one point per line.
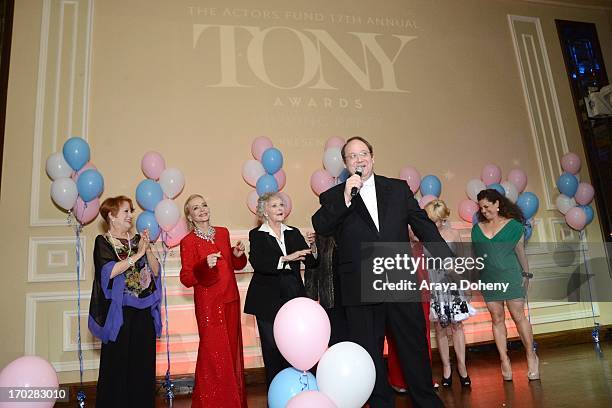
430	185
162	217
333	171
512	188
76	188
573	203
345	372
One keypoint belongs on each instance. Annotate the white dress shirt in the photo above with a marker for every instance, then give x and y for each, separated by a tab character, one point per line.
265	227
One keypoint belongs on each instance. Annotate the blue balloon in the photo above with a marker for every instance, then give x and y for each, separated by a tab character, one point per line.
588	211
475	218
344	176
146	220
76	152
287	384
528	203
567	184
500	189
431	185
148	194
90	184
266	184
272	160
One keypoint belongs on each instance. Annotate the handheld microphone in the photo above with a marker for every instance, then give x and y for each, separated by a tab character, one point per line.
355	190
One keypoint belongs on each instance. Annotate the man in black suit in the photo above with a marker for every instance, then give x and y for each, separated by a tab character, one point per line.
381	211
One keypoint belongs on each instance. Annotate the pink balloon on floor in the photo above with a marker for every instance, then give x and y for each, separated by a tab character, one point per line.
301	332
491	174
571	163
173	237
467	208
29	371
321	181
426	199
252	201
310	399
86	212
152	165
281	179
334	141
287	202
412	177
260	145
576	218
584	194
518	178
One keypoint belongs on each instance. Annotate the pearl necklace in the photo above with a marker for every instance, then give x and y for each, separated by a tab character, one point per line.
209	235
129	240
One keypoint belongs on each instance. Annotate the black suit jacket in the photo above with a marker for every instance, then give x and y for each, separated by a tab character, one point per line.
353	225
264	297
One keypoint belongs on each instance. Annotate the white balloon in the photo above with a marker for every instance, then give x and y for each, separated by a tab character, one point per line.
565	203
172	182
252	170
57	167
511	190
64	193
167	214
474	186
346	374
332	160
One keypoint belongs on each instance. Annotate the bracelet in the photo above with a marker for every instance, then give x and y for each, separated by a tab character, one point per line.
130	261
527	275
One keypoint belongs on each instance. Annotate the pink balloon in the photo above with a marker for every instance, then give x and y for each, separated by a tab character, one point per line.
87	166
426	199
518	178
584	194
252	170
281	179
29	371
310	399
576	218
260	145
86	212
334	141
152	165
174	236
321	181
412	177
301	332
467	208
251	201
287	202
571	163
491	174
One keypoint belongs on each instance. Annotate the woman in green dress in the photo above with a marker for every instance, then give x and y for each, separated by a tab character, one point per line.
498	238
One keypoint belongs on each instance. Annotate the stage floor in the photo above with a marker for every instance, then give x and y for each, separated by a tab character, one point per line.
572	376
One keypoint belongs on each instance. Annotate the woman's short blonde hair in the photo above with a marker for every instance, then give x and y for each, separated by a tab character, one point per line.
437	210
190	223
261	204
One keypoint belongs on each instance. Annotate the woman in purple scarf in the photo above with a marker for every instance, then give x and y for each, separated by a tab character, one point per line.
124	310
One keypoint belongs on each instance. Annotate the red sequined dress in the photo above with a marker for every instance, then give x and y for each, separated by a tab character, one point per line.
219	376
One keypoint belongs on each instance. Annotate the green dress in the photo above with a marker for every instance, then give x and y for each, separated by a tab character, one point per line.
501	265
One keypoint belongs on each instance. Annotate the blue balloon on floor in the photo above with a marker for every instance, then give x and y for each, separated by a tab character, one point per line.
287	384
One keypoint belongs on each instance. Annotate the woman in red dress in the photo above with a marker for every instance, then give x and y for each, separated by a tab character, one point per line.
208	264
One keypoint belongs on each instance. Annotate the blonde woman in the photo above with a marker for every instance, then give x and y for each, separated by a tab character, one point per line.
448	322
208	262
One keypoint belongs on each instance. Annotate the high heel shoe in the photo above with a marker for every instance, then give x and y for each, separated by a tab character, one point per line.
506	374
447	382
534	375
465	381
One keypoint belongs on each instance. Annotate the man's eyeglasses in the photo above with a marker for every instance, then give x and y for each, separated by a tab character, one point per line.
361	155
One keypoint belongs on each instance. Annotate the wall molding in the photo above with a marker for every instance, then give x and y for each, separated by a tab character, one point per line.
33	253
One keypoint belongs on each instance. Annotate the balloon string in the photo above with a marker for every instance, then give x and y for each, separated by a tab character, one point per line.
168	385
81	396
595	332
